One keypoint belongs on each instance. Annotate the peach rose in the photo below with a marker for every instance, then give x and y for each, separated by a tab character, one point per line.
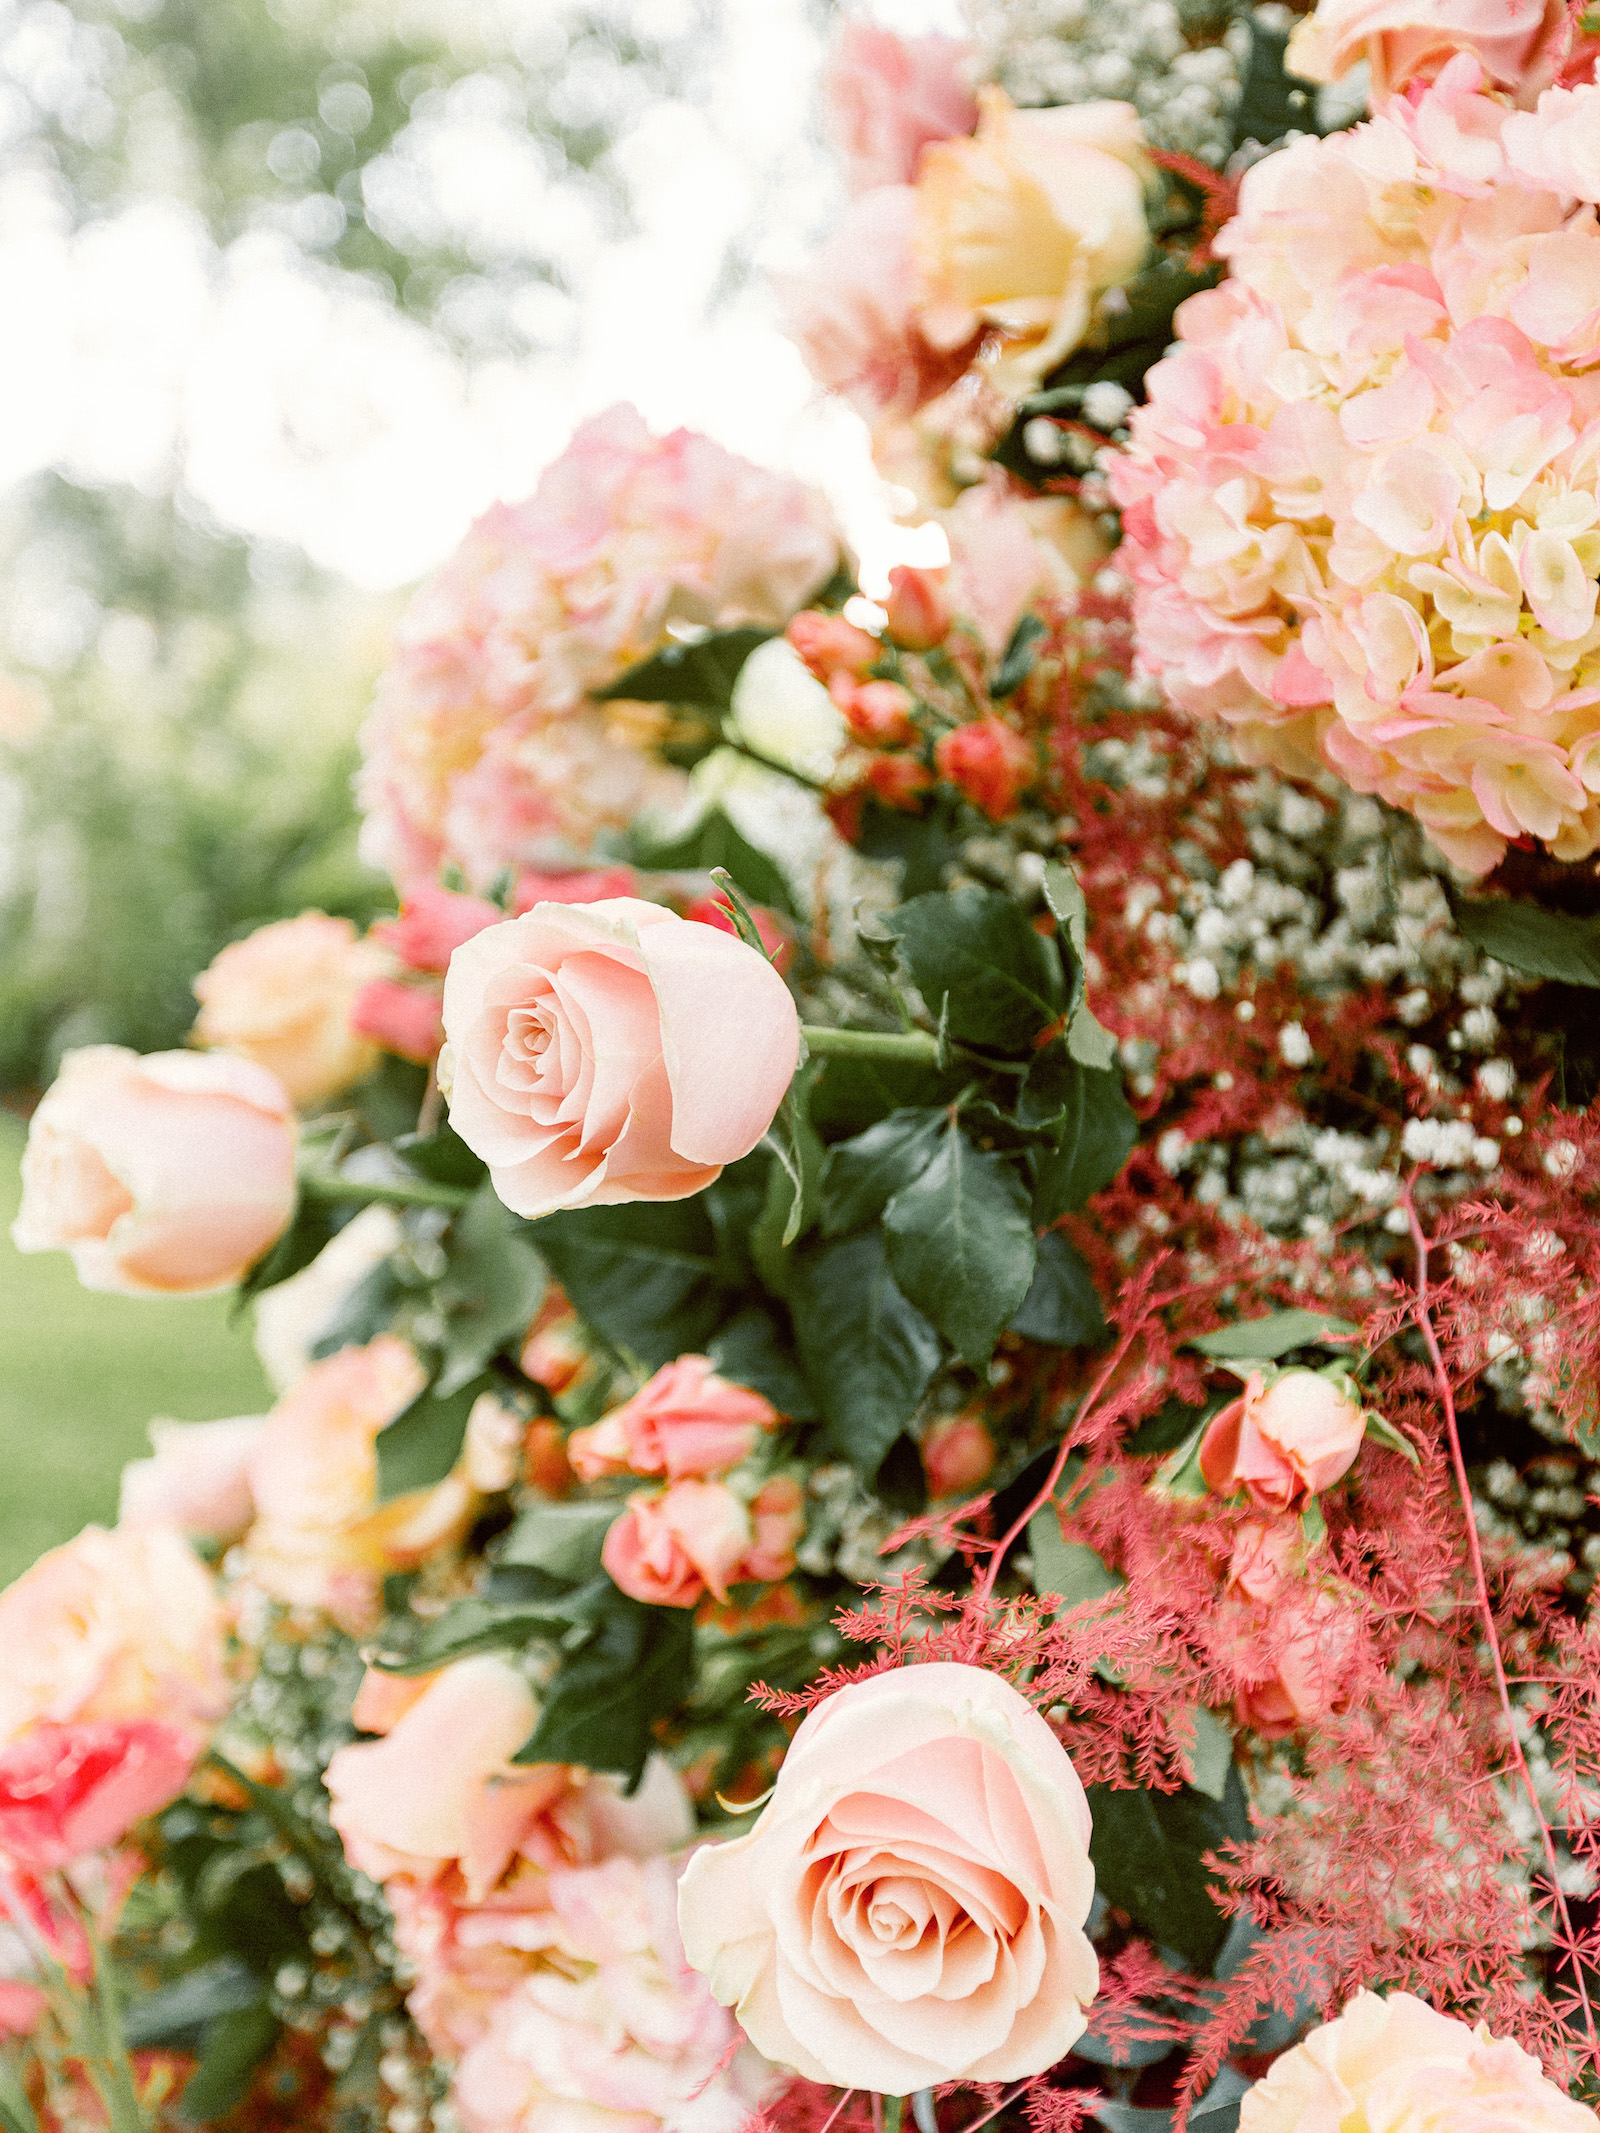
884	98
1292	1659
670	1550
1285	1442
909	1907
113	1625
198	1480
69	1790
1395	2065
320	1537
1411	40
1023	227
957	1455
282	997
164	1175
685	1423
918	608
612	1051
989	763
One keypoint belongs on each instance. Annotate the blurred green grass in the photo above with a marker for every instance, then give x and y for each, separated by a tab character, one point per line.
81	1375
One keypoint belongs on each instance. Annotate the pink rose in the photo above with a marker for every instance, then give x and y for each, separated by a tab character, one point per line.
1293	1660
169	1174
432	925
69	1790
1285	1442
918	608
1008	552
118	1625
198	1481
909	1907
582	885
613	1051
884	98
668	1550
1413	40
686	1423
957	1455
282	997
770	929
989	763
403	1019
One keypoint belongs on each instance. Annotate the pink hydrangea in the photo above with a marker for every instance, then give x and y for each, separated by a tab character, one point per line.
1362	507
484	745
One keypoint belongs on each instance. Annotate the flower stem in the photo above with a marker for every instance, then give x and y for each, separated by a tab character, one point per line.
389	1192
915	1044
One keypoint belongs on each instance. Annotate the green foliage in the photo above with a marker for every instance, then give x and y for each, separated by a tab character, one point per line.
960	1244
702	674
982	969
1096	1132
420	1446
1149	1852
1263	1340
1020	655
641	1275
867	1351
1546	944
492	1286
1062	1306
714	841
1272	101
865	1172
630	1666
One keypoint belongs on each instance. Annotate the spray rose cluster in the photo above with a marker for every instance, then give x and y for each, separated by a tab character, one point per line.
484	746
1362	506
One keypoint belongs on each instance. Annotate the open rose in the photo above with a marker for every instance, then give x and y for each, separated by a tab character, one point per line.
686	1422
69	1790
612	1051
282	997
1395	2065
163	1175
1412	40
909	1907
1285	1442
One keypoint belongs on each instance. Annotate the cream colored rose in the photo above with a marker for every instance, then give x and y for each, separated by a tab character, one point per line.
1396	2066
282	997
1024	225
909	1908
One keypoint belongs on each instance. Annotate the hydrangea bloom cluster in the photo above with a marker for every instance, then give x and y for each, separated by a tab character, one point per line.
1363	503
484	746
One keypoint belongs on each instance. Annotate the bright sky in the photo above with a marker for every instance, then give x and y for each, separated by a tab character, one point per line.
315	414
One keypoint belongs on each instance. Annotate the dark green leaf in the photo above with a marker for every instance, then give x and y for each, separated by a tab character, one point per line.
478	1626
1263	1340
224	1986
562	1539
363	1312
441	1155
313	1226
961	1244
975	949
640	1275
1173	1423
601	1707
1221	2118
1017	661
1062	1306
235	2045
420	1446
865	1173
1546	944
1097	1131
1148	1850
925	844
714	841
493	1286
868	1352
1272	101
1065	1570
750	1350
1088	1043
851	1094
703	673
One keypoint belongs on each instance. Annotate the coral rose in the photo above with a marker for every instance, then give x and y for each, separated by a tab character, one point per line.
1292	1658
1395	2065
164	1175
909	1907
613	1051
69	1790
668	1550
400	1018
1285	1442
198	1480
918	608
118	1625
1026	225
282	997
1404	41
989	763
686	1422
957	1455
884	98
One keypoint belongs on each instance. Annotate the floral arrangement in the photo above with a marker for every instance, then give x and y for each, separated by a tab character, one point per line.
934	1299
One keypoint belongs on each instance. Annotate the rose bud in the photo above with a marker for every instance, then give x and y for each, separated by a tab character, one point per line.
713	911
898	781
433	923
1265	1560
919	611
164	1175
777	1520
668	1550
553	1355
878	712
957	1455
282	998
1285	1442
403	1019
990	763
608	1052
1293	1662
687	1423
829	645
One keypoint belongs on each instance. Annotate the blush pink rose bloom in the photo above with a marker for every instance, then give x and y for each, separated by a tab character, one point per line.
884	98
1395	2065
1285	1442
282	997
685	1423
198	1480
698	1537
608	1052
1413	40
909	1907
113	1625
69	1790
164	1175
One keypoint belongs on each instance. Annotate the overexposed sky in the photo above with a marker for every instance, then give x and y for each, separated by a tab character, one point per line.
307	410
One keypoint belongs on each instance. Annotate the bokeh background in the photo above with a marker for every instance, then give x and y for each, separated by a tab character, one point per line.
293	289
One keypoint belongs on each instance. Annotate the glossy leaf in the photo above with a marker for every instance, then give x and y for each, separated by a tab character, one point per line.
492	1287
601	1708
1087	1041
1096	1133
1148	1850
865	1173
1546	944
961	1244
703	673
641	1275
714	841
1062	1306
980	966
867	1351
1263	1340
421	1445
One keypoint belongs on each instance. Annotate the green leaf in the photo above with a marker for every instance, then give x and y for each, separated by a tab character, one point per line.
794	1184
1272	101
1148	1850
479	1626
562	1539
234	2046
1546	944
1065	1570
640	1275
223	1986
1017	661
1088	1043
925	844
868	1352
1062	1305
1211	1757
714	841
851	1094
1383	1432
491	1289
1096	1134
980	966
864	1174
961	1244
750	1350
313	1226
441	1155
601	1708
702	673
1263	1340
423	1443
363	1312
